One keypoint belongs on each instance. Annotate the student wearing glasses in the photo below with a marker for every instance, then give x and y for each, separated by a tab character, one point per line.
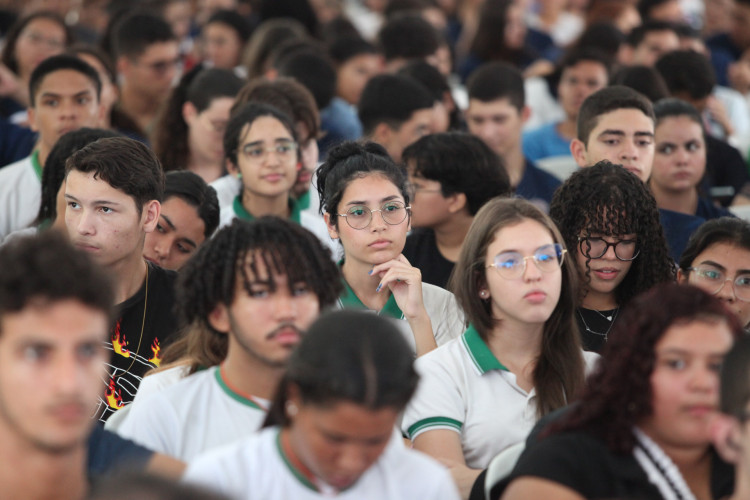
365	202
521	356
261	146
611	227
717	259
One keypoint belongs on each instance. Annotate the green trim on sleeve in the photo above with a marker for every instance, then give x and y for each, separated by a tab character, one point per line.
479	353
425	423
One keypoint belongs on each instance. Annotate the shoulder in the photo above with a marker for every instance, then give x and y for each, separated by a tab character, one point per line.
18	170
161	277
157	382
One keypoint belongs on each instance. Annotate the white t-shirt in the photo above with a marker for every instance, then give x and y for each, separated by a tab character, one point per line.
446	316
157	382
464	388
194	415
257	468
20	194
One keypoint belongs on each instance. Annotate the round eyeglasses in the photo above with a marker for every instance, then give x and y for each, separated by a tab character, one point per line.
713	280
360	216
283	149
511	265
595	248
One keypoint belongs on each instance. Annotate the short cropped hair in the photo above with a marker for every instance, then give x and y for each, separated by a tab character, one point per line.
125	164
408	36
193	190
687	71
136	32
44	269
495	81
314	70
391	99
605	101
59	63
461	163
586	54
638	34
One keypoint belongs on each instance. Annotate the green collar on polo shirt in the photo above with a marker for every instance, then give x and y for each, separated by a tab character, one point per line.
36	165
480	354
349	300
242	213
304	201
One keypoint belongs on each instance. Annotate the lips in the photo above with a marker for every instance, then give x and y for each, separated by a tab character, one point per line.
273	177
700	410
378	244
86	247
152	260
286	336
606	273
535	296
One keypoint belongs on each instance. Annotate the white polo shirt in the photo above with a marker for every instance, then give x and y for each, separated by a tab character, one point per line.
192	416
465	389
446	316
20	194
258	467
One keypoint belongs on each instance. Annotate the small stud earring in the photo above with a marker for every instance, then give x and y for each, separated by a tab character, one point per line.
484	294
291	408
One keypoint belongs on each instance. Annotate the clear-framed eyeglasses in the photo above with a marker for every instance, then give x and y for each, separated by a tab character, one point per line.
594	247
512	265
283	149
713	280
360	216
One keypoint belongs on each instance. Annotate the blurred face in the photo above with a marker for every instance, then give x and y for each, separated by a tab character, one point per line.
65	101
339	443
178	14
604	274
498	123
416	127
727	261
680	159
740	28
515	28
51	364
206	130
668	11
222	45
104	221
378	242
685	383
532	296
109	94
179	233
429	206
354	74
577	83
267	158
153	72
264	325
40	39
654	45
623	136
309	154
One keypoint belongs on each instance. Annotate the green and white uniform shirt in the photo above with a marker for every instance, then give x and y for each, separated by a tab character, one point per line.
465	389
20	194
258	467
446	316
194	415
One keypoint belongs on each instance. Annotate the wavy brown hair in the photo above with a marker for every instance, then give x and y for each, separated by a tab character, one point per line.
559	371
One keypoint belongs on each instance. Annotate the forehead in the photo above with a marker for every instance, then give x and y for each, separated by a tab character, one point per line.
587	67
65	81
497	107
726	254
524	235
264	127
160	51
679	125
661	37
56	323
87	187
710	336
624	120
46	25
370	188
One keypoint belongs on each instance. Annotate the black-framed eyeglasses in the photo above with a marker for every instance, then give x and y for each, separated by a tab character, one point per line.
595	247
713	280
360	216
511	265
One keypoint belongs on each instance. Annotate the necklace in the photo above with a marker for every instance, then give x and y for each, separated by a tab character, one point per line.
140	338
611	316
601	334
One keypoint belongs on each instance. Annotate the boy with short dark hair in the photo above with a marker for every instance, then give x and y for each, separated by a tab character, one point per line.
496	114
113	189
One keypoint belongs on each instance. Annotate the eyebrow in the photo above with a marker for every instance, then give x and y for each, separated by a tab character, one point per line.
677	350
169	222
95	202
260	143
53	94
382	200
714	264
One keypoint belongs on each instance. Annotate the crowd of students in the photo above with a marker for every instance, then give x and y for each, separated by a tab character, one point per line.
400	249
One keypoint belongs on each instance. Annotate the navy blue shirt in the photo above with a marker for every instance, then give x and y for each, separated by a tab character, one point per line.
537	185
678	228
109	453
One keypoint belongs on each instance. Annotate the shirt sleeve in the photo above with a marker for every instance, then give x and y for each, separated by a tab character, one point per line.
438	402
153	423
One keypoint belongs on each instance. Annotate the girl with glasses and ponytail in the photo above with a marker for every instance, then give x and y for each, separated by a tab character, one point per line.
521	356
610	224
365	202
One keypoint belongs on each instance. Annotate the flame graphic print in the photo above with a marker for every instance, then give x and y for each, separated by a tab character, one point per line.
119	343
113	395
155	359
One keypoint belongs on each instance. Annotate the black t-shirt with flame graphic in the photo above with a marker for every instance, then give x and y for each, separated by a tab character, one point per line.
133	354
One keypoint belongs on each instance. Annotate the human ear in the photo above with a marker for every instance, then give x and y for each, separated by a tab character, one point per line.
457	202
333	232
151	211
682	276
578	150
189	112
219	318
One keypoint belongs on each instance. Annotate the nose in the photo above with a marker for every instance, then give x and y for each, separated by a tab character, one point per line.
610	253
726	292
162	248
531	271
629	150
285	307
704	379
378	222
85	223
68	375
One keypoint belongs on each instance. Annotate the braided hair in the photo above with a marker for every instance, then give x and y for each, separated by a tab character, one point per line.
607	199
239	251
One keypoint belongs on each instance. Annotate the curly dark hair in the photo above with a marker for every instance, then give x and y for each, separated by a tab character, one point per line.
618	394
209	278
607	199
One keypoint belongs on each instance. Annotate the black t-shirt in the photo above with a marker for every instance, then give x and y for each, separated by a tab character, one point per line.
595	327
137	338
422	252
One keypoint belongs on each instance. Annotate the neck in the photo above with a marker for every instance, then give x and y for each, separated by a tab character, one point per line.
685	201
515	163
207	170
568	128
249	374
38	474
357	276
259	206
599	301
129	276
450	235
516	344
142	109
